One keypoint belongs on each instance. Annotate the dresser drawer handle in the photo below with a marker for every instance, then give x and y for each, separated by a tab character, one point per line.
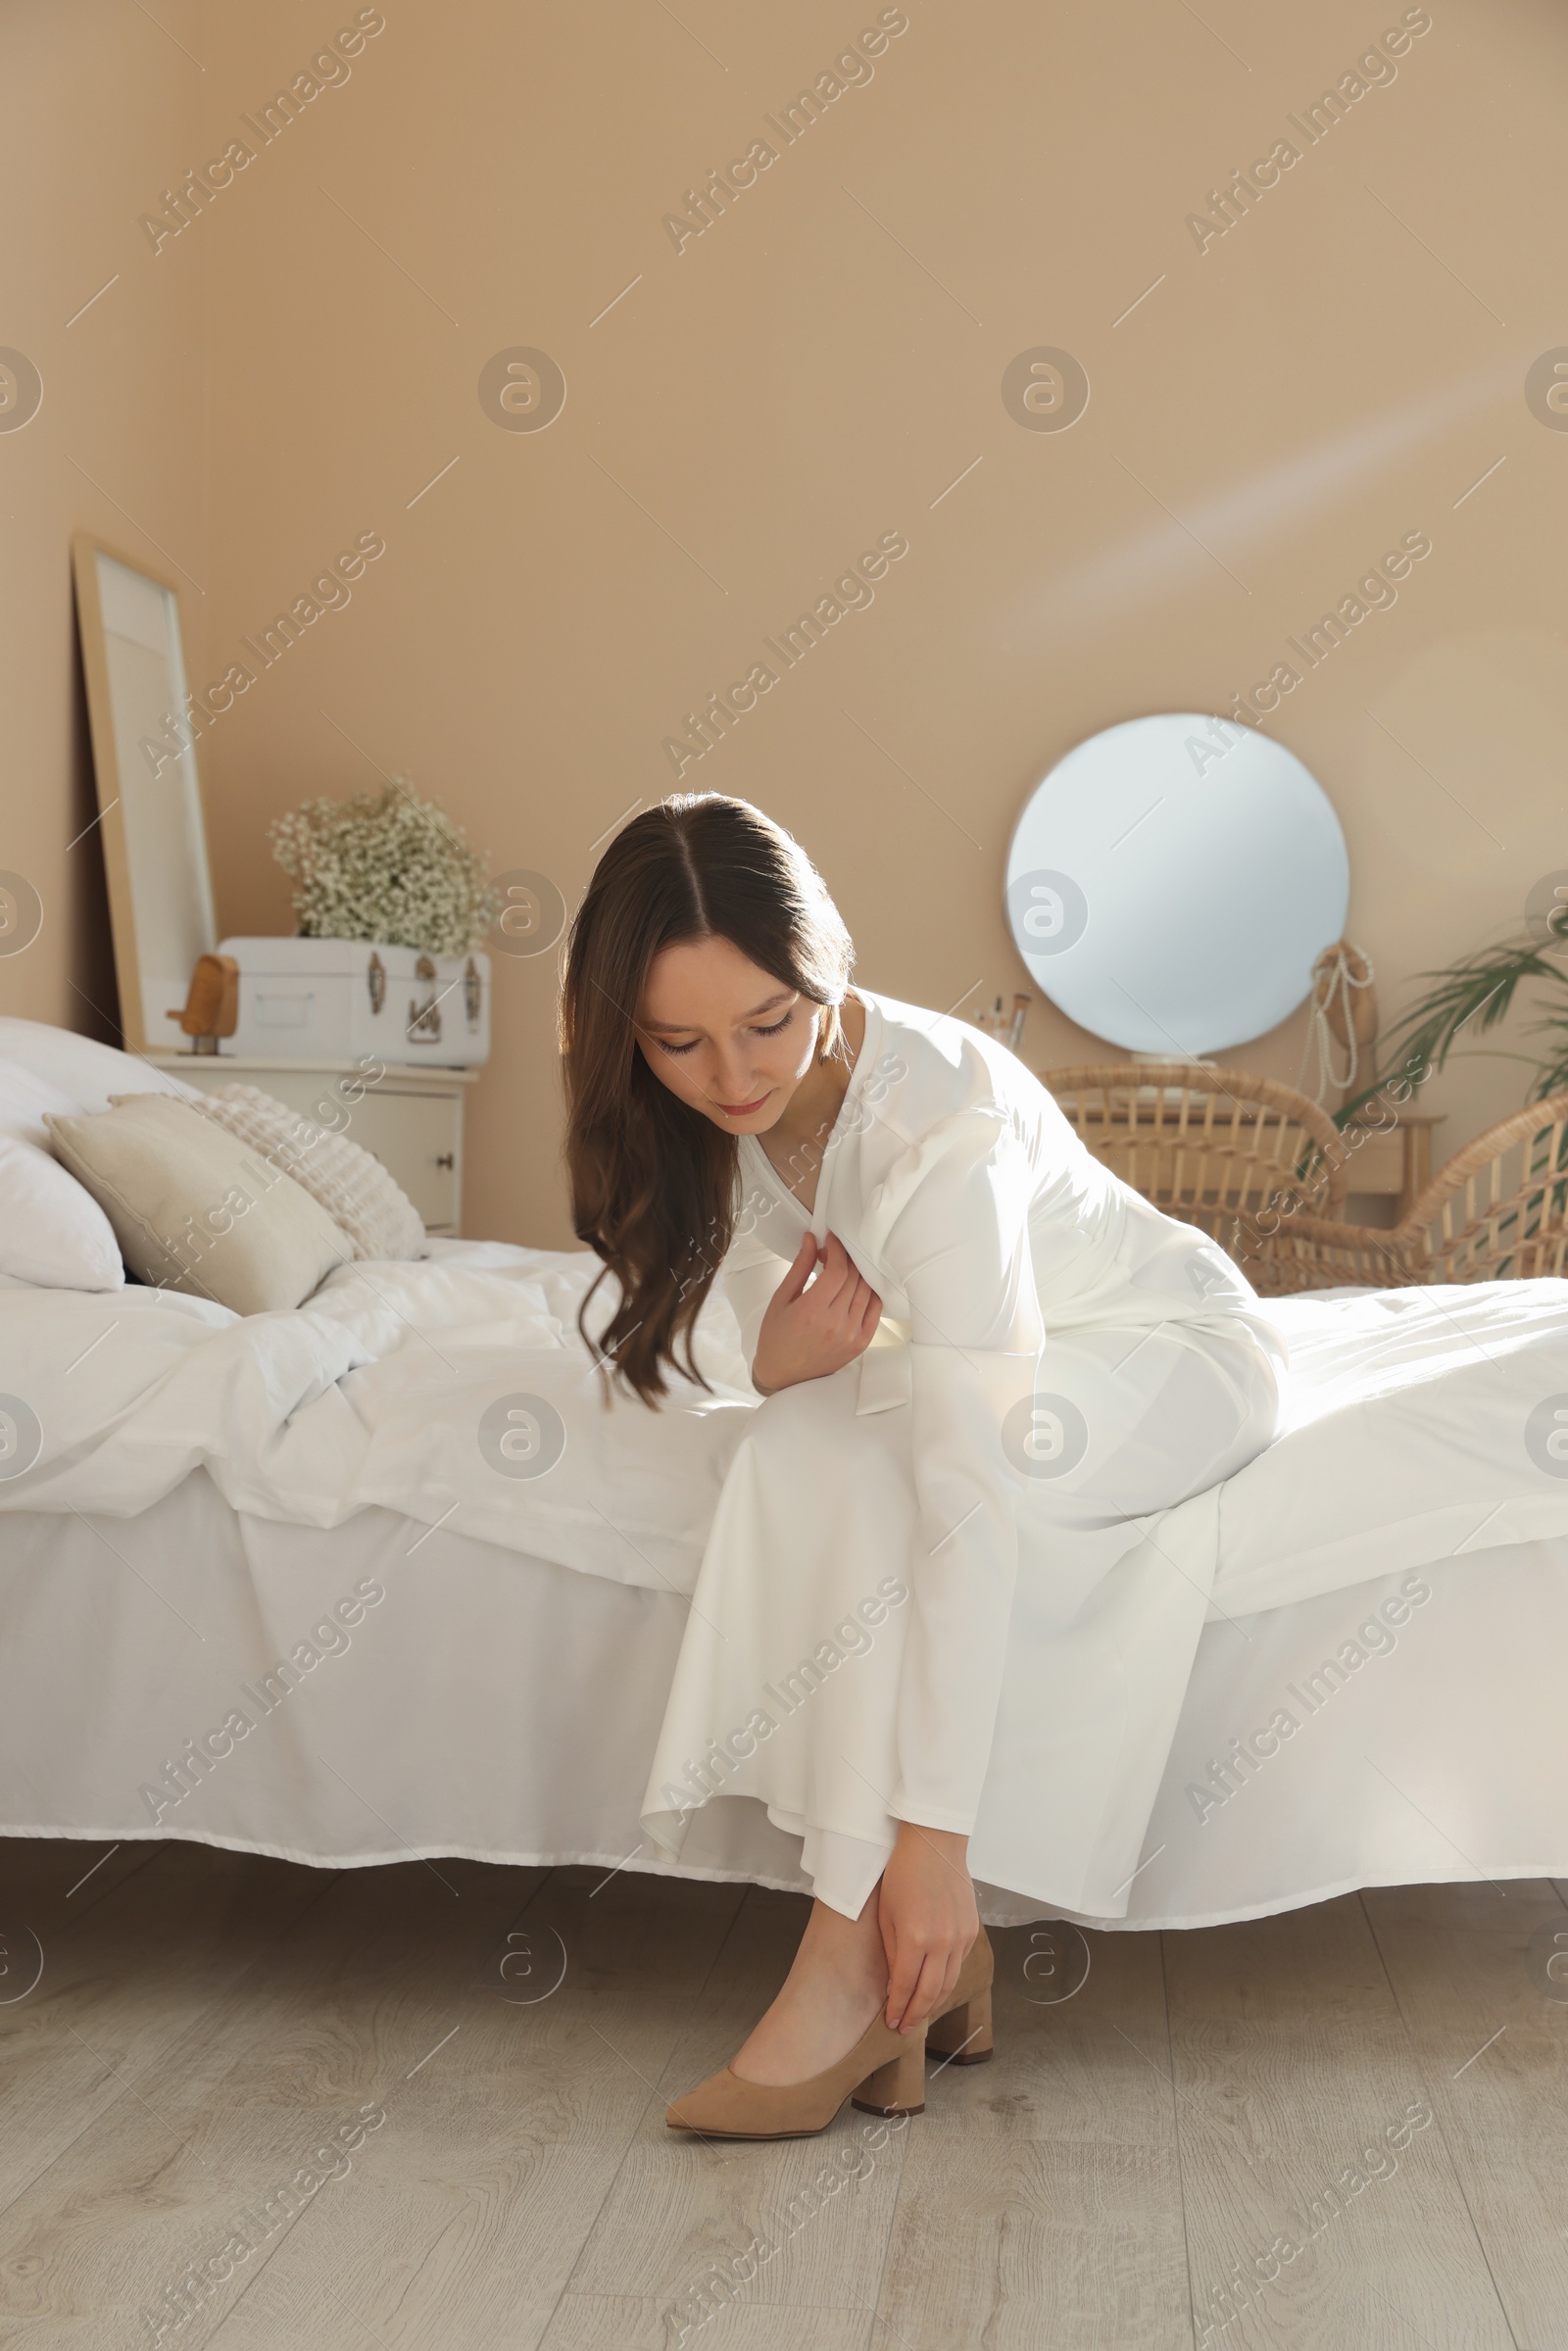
446	1159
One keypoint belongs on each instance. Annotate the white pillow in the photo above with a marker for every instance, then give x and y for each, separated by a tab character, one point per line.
85	1073
25	1101
53	1234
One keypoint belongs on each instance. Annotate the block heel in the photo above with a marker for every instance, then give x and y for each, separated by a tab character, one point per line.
899	2086
961	2033
963	2036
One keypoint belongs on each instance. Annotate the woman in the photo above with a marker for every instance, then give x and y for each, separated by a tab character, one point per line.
938	1602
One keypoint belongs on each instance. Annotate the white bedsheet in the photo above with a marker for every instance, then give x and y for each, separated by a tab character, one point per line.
208	1490
505	1708
1407	1436
1417	1428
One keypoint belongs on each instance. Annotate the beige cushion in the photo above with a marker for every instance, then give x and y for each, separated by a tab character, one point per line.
355	1189
194	1210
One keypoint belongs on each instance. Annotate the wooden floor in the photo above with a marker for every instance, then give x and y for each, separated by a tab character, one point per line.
1347	2127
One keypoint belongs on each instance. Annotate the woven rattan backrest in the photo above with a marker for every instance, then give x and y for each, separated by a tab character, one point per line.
1498	1210
1205	1145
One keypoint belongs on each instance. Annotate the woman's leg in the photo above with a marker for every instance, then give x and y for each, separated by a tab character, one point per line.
787	1690
901	1956
837	1983
1113	1591
785	1687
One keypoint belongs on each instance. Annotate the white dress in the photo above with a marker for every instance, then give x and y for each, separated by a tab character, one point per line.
940	1587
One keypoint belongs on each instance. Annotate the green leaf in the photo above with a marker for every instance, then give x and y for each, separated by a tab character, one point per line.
1479	989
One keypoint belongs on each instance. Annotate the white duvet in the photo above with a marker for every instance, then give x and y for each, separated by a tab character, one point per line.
372	1391
1421	1424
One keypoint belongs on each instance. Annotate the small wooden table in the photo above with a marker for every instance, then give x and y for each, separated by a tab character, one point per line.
1392	1159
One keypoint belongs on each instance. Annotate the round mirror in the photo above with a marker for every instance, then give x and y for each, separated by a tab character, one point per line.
1171	881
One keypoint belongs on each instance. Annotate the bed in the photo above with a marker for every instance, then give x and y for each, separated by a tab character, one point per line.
279	1583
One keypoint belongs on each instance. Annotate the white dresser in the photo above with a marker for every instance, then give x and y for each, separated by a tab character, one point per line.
410	1119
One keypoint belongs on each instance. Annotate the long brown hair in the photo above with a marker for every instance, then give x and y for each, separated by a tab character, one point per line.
653	1182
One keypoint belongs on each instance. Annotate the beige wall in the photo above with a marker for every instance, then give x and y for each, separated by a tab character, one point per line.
100	108
814	370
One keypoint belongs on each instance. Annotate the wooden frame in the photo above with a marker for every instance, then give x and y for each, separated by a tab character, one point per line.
149	795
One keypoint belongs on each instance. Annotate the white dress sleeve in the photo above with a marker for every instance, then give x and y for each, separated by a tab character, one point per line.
953	1228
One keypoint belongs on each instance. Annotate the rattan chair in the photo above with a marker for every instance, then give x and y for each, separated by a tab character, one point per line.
1498	1210
1232	1154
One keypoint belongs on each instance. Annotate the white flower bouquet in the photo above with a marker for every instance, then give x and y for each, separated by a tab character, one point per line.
387	867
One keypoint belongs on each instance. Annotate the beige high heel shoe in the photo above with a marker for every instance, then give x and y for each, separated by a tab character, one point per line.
962	2034
884	2073
884	2065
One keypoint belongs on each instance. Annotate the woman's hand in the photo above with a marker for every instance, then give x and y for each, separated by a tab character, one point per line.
928	1920
807	1333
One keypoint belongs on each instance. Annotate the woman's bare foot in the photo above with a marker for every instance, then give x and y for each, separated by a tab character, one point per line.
836	1985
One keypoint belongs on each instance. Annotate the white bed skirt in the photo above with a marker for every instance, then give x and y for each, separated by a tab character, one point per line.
505	1708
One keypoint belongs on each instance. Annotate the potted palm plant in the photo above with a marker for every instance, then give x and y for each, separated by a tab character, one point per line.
1474	994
